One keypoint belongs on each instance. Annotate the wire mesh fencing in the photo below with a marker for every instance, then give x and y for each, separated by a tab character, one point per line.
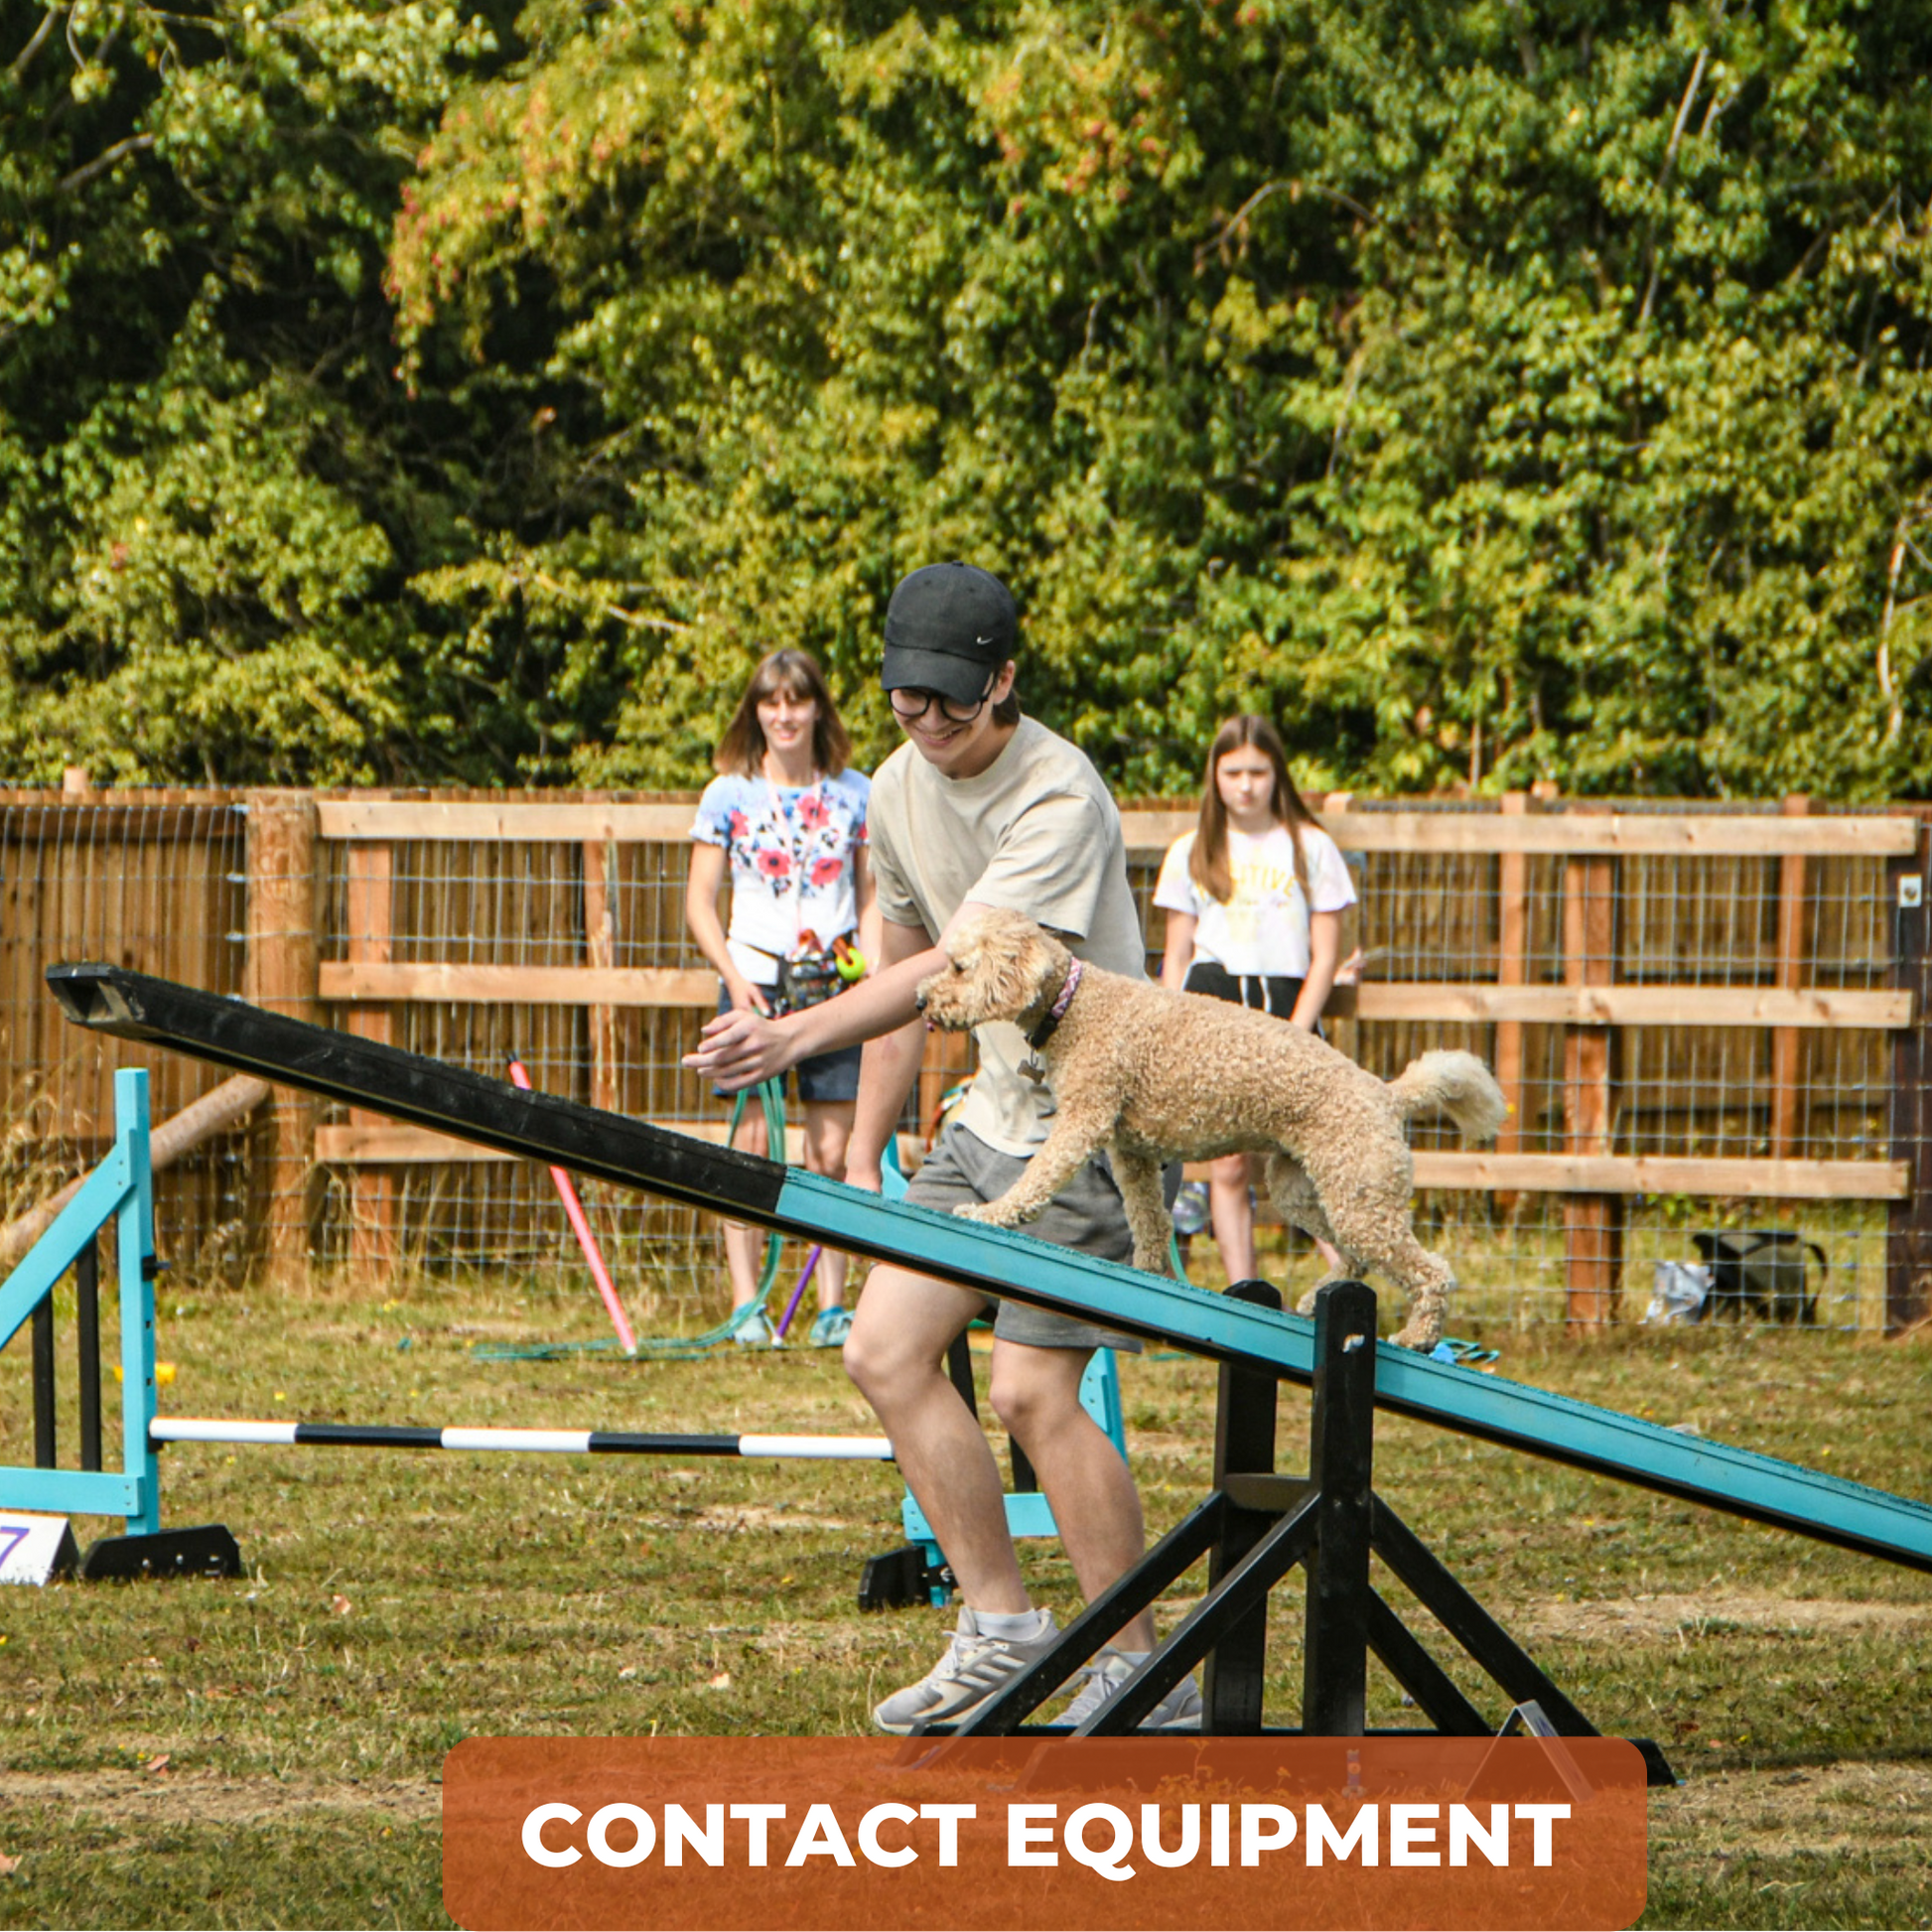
153	879
1708	1021
1752	1110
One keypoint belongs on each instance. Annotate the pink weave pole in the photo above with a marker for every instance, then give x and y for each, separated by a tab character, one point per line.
586	1240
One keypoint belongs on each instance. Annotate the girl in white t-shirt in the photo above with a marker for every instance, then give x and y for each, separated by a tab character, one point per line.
1254	899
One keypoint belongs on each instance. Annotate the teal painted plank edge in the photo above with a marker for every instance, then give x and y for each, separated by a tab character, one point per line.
66	1235
71	1492
1512	1413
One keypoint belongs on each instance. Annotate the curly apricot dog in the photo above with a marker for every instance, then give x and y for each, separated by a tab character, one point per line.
1155	1076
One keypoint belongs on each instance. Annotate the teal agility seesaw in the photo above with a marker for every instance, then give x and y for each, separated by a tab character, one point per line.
632	1154
1257	1524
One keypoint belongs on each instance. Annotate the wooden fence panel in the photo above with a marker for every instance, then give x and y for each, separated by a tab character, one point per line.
151	881
1737	1014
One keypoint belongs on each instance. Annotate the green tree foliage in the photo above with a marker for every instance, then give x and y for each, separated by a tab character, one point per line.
223	517
1492	389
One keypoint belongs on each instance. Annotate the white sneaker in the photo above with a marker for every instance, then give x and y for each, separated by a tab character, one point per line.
1180	1710
754	1331
974	1667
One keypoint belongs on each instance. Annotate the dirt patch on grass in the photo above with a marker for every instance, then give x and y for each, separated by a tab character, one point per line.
729	1518
213	1797
1710	1611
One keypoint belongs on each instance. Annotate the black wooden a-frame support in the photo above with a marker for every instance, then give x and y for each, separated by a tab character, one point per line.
1254	1528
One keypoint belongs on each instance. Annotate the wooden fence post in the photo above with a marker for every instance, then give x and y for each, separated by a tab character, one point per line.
281	974
601	950
1787	1042
1512	968
1593	1223
371	921
1908	1259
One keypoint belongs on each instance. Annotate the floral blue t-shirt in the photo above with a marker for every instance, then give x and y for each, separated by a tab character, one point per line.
789	849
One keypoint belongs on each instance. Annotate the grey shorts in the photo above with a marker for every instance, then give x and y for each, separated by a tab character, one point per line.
1086	1214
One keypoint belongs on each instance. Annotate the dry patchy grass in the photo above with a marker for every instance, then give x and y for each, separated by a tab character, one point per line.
395	1603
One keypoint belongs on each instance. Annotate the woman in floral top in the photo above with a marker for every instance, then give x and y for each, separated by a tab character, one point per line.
784	821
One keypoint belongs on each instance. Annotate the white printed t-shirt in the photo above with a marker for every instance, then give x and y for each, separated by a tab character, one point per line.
1037	832
1262	930
791	852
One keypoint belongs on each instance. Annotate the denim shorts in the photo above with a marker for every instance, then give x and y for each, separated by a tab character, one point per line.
825	1076
1086	1214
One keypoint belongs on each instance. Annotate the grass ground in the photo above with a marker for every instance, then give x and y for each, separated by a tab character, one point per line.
265	1752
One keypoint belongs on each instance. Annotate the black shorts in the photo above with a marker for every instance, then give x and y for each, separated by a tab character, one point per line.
829	1076
1265	995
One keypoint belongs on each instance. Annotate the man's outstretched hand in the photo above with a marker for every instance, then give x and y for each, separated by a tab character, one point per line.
739	1049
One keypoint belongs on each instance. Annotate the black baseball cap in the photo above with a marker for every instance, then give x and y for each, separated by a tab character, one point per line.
948	629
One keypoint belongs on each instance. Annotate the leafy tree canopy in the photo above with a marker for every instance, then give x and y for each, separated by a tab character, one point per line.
1493	390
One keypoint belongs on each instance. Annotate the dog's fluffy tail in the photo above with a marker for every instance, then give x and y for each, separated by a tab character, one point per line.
1457	1083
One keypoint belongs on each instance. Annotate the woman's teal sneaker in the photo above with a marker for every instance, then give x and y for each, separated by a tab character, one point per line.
830	1328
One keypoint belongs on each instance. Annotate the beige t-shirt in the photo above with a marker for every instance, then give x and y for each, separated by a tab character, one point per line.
1037	832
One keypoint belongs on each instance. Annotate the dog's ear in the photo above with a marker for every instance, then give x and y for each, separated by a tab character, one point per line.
1019	965
969	935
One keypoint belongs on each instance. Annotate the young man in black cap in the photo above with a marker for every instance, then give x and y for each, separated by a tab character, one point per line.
981	808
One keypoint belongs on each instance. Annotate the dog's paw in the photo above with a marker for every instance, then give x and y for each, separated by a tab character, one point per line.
1155	1261
989	1214
1306	1306
1421	1331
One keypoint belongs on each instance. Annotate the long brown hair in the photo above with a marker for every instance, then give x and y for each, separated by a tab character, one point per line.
741	750
1207	864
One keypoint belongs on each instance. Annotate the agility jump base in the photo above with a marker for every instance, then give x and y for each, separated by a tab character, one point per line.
119	1188
121	1191
1324	1523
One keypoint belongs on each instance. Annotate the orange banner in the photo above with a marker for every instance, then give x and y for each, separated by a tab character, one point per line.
795	1833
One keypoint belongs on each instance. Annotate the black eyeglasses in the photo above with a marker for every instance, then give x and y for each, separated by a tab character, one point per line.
910	704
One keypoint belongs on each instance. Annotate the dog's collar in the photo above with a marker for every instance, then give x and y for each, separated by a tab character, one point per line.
1045	1032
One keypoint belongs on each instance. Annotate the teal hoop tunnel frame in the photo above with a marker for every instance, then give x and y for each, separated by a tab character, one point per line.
540	1126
